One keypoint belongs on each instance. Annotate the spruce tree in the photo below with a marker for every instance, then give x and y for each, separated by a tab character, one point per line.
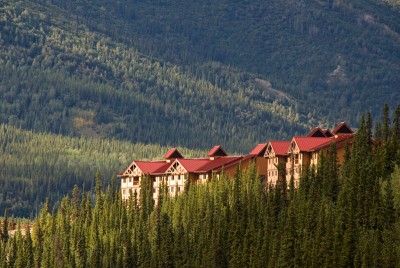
4	235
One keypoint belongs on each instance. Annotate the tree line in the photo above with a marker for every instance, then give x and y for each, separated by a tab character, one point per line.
82	82
340	216
36	166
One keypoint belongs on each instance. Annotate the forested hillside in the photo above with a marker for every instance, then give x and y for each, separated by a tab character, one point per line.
192	73
338	217
34	167
318	52
58	75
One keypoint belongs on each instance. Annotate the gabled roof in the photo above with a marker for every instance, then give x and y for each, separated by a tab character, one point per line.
173	153
146	167
342	128
217	151
219	163
153	167
280	147
327	132
259	150
202	165
340	141
309	144
235	162
316	132
192	164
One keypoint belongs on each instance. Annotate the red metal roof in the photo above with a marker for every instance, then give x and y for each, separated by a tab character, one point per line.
234	162
339	140
152	167
280	147
308	144
201	165
193	164
173	153
259	150
149	167
219	163
217	151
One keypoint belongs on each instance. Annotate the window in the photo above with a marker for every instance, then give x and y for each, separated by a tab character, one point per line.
130	180
179	189
154	190
172	189
123	191
172	178
123	180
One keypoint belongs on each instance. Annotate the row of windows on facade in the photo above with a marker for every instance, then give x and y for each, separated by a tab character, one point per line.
273	173
273	160
159	179
171	189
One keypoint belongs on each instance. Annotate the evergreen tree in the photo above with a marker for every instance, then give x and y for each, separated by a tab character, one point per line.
4	234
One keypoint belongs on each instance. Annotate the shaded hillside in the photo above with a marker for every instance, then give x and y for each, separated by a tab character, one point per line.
58	75
34	167
188	73
320	52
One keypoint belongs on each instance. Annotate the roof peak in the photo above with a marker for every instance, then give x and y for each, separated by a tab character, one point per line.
342	128
173	153
217	151
259	150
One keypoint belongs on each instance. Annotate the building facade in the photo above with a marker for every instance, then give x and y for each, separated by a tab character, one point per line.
274	161
175	171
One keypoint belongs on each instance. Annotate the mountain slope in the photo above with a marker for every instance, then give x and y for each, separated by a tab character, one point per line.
36	166
196	73
317	51
90	84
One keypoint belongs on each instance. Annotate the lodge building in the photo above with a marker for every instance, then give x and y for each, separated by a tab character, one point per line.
274	161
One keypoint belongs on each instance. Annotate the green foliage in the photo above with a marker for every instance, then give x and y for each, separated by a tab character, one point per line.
140	71
302	47
327	221
34	166
83	82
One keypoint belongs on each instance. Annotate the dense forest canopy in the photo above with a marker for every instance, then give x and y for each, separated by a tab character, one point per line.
115	81
193	72
35	167
340	216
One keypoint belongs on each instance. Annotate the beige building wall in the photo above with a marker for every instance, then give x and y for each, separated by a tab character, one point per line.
129	184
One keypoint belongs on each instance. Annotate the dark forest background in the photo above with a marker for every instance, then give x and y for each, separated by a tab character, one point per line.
91	85
340	216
